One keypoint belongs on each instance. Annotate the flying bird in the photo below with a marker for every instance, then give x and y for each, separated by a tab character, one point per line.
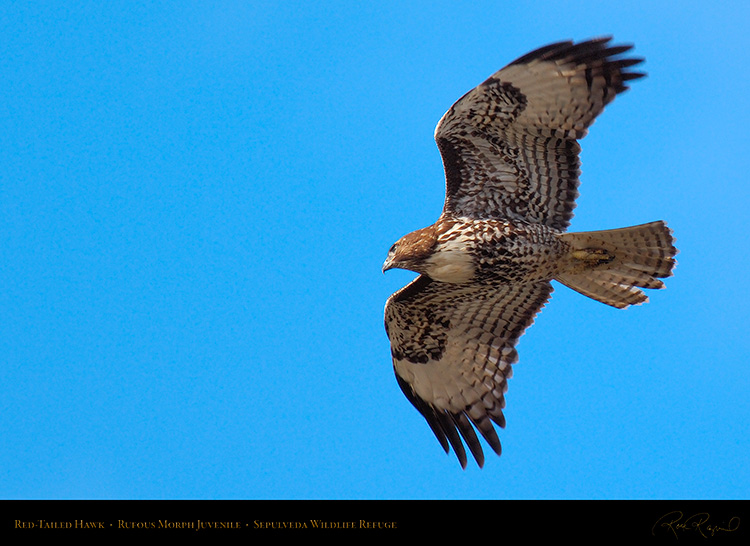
510	152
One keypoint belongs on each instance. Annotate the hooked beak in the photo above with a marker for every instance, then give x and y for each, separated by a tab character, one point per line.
388	264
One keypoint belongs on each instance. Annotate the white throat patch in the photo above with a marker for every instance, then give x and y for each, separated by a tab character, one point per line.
454	266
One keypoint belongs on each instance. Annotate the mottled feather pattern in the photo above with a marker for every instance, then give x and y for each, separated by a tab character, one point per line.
510	153
454	345
641	255
509	146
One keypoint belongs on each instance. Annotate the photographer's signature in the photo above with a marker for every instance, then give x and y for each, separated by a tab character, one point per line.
677	524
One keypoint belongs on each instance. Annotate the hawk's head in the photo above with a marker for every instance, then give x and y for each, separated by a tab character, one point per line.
422	251
411	250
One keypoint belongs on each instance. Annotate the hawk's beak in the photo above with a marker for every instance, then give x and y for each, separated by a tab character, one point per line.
388	264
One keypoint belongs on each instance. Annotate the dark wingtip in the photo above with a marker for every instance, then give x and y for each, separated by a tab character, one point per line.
586	51
446	427
541	52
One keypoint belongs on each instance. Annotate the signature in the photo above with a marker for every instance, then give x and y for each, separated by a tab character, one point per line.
677	523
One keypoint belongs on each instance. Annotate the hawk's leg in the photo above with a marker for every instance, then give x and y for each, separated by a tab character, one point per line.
593	257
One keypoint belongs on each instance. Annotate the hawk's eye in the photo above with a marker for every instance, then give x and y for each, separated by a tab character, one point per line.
393	249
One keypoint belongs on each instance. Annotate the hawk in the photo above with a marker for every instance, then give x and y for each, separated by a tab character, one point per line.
510	152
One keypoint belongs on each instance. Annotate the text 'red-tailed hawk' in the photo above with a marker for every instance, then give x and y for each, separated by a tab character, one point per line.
510	153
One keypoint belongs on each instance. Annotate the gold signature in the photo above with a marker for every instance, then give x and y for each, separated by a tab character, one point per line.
698	523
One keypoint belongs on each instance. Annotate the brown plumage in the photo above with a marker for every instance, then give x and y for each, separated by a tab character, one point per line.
510	154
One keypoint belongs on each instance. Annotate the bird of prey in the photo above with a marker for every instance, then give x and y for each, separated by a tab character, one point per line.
510	152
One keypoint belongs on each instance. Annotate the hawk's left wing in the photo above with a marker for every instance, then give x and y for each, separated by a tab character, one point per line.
509	146
453	346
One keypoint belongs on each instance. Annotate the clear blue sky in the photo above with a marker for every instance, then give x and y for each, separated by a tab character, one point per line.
196	199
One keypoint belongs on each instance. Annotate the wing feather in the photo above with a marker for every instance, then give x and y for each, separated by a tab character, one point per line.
453	347
510	147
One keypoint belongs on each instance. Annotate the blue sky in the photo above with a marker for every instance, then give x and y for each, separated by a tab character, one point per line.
197	198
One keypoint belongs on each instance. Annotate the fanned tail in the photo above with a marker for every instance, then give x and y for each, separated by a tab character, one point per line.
610	266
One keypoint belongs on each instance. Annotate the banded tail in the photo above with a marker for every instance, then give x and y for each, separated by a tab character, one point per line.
610	266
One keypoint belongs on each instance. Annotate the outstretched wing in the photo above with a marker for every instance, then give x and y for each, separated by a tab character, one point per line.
509	146
453	346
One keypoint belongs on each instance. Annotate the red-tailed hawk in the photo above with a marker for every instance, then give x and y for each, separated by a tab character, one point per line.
510	153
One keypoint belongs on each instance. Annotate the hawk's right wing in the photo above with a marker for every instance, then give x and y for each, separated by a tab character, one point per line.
453	346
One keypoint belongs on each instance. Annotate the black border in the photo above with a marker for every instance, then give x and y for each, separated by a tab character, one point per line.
672	522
